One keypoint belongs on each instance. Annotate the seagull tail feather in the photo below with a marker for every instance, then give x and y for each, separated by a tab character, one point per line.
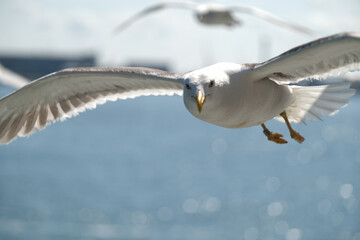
314	102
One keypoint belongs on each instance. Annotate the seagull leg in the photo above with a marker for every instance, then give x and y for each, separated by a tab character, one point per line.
275	137
294	135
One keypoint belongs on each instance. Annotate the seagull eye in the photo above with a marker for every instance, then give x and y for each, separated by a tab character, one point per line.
187	86
212	83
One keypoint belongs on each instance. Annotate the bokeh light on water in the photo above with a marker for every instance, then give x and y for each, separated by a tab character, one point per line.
273	184
190	206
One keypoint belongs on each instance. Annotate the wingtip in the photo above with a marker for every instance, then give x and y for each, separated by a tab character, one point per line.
117	30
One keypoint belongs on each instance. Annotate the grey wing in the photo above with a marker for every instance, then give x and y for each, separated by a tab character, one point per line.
152	9
257	12
66	93
10	78
324	57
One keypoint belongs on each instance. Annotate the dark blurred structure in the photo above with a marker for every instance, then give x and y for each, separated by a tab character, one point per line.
33	67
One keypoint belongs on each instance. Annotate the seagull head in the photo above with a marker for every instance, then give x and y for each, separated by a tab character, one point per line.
204	89
196	93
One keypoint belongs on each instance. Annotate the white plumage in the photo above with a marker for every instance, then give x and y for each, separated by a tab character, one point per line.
226	94
215	14
313	102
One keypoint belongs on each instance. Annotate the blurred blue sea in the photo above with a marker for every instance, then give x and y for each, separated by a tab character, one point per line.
146	169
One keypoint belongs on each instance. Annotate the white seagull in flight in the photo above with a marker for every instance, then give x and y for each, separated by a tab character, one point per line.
12	79
229	95
215	14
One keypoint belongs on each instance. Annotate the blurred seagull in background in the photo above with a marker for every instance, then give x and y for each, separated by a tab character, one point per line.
12	79
229	95
215	14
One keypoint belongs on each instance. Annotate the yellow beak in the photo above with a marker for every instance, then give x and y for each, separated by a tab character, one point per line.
200	99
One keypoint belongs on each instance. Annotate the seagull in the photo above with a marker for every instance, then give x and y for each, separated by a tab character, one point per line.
215	14
12	79
229	95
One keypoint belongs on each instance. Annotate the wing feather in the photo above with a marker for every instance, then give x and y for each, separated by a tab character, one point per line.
313	102
321	58
66	93
257	12
152	9
30	123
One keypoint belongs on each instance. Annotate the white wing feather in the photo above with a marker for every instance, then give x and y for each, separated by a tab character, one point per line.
321	58
151	9
315	102
66	93
257	12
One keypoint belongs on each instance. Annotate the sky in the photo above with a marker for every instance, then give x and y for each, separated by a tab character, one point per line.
172	36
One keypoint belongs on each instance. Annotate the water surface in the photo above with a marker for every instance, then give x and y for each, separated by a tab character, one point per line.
146	169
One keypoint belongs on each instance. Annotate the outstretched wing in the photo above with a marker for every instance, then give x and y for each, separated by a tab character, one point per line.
152	9
257	12
64	94
10	78
327	56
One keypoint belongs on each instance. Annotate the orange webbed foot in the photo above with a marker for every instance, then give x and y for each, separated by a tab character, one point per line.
277	138
296	136
274	137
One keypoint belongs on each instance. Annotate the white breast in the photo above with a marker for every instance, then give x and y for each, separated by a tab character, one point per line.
245	103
